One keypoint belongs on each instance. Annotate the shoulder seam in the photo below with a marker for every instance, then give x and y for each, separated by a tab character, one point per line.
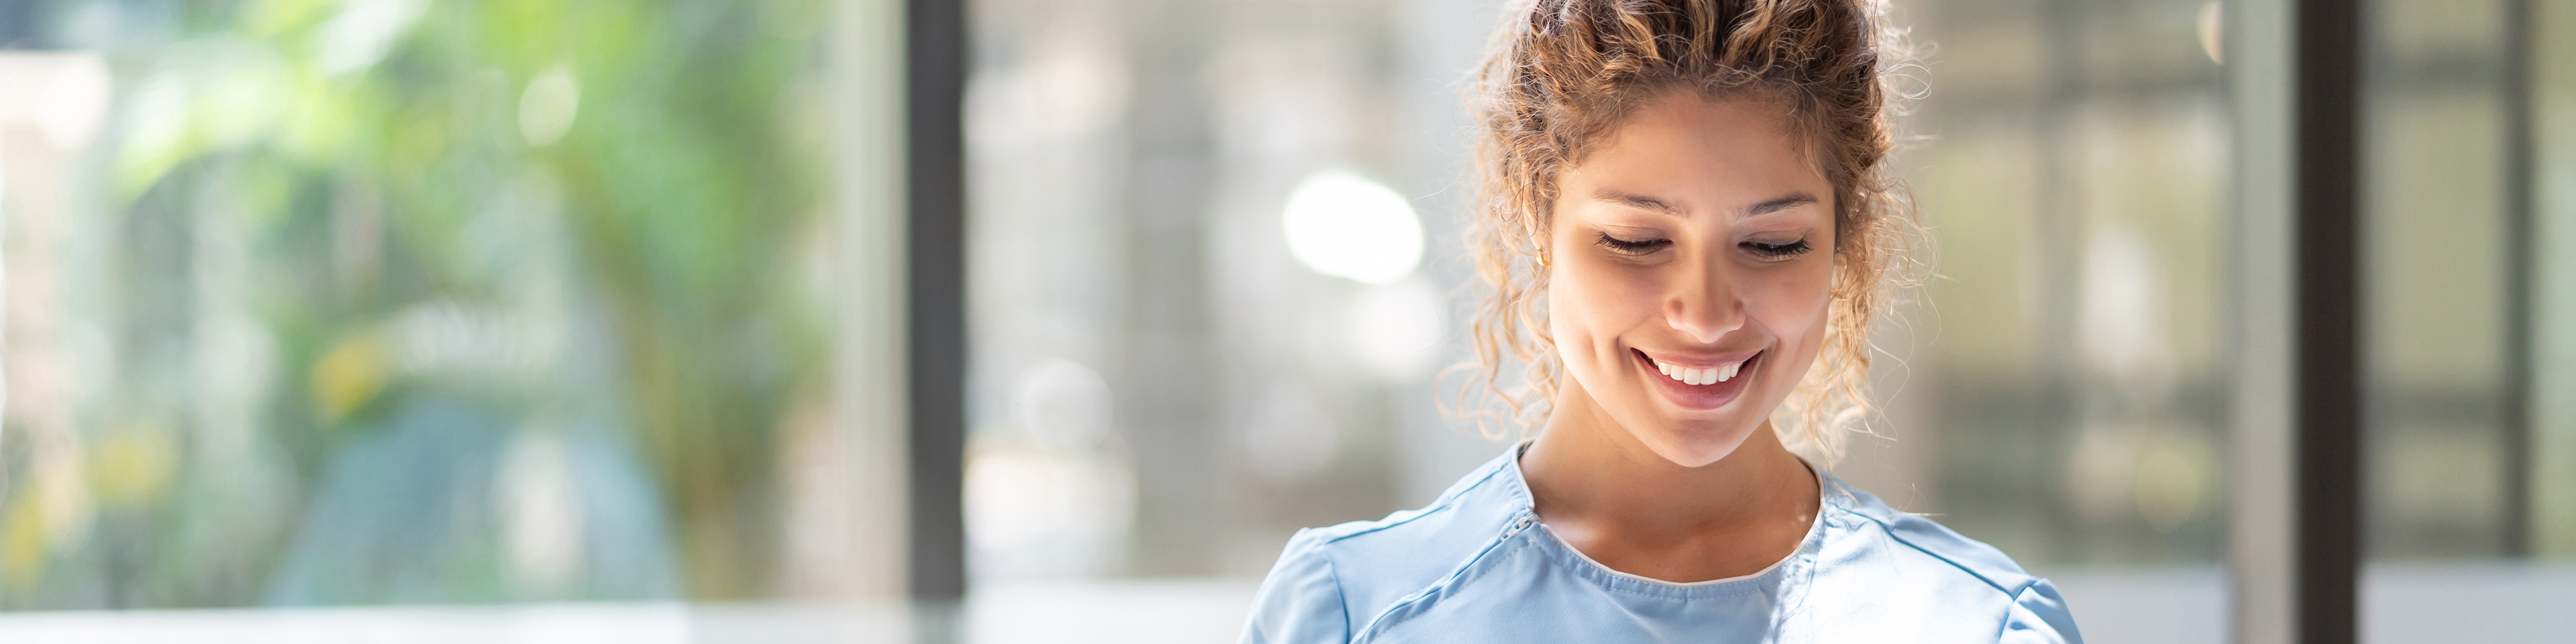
1444	503
1437	587
2010	606
1340	596
1899	538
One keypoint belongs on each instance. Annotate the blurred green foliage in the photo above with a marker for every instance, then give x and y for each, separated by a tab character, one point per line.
442	228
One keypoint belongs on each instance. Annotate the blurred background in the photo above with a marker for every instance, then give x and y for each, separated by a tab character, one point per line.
581	320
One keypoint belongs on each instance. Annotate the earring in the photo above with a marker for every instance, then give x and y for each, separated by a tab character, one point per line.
1542	257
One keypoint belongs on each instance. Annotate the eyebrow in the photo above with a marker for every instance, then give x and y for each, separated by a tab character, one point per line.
1643	202
1782	203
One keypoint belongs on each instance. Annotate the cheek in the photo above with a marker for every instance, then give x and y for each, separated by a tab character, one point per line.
1594	304
1794	303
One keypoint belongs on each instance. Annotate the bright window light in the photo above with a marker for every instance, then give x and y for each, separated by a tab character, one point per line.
1344	225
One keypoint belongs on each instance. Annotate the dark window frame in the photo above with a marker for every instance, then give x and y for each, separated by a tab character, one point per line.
935	67
2326	460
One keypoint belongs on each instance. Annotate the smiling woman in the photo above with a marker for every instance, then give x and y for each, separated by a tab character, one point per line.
1686	225
1683	252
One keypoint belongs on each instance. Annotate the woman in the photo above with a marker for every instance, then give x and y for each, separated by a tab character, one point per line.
1685	221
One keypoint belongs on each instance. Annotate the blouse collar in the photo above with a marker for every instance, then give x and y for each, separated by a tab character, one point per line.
1799	565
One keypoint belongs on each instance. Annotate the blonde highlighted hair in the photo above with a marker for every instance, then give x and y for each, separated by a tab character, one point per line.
1563	73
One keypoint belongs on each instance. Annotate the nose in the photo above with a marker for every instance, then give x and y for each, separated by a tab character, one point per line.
1705	306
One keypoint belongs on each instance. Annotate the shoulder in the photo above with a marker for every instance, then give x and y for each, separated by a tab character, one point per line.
1301	599
1914	553
1925	543
1330	581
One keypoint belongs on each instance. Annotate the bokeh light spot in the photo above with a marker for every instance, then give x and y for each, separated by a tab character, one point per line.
1344	225
547	108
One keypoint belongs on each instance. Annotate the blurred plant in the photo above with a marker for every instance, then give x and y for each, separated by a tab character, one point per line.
411	238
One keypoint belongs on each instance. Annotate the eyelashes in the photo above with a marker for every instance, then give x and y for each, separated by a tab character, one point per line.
1779	251
1635	247
1765	250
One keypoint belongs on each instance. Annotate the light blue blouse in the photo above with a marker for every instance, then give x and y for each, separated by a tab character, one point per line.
1476	566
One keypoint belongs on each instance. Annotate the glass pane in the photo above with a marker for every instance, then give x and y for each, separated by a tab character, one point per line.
1167	379
2553	284
2067	386
2468	515
2439	274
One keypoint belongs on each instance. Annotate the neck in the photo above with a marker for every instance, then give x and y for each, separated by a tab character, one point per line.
1590	474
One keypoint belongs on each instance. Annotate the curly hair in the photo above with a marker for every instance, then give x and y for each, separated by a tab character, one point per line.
1562	74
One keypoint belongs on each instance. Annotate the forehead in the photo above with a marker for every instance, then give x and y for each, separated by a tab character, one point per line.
1714	153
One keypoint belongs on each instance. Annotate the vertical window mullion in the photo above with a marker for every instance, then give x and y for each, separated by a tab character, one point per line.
935	67
2327	223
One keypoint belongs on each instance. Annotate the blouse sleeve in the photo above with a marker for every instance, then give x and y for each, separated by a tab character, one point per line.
2039	616
1301	601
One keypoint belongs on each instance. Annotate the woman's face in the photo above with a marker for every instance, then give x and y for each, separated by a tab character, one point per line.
1691	259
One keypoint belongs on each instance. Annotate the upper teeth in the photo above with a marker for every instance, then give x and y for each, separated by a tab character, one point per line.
1688	376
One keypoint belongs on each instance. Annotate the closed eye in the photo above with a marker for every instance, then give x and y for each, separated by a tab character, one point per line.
1778	251
1634	247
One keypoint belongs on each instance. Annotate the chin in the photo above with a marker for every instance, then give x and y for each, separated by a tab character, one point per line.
1694	443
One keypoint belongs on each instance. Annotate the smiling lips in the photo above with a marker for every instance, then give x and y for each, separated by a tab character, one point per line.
1700	388
1708	376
